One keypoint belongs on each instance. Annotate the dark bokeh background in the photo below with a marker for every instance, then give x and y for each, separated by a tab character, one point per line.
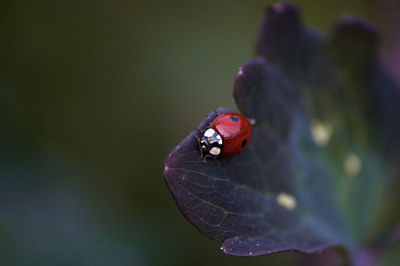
94	95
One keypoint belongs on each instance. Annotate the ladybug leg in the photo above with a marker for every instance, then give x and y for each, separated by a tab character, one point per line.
198	142
209	157
205	158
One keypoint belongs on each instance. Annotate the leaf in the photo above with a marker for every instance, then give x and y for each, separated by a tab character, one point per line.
227	200
285	41
315	172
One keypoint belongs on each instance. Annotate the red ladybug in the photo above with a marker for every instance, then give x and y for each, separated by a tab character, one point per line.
228	134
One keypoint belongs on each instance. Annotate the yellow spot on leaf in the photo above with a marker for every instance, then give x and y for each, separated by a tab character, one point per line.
352	164
286	200
321	132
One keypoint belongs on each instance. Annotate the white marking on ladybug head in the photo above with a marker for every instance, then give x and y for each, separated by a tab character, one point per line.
215	151
209	132
219	139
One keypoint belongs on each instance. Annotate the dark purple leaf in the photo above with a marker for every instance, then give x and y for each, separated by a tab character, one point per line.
289	189
235	199
284	41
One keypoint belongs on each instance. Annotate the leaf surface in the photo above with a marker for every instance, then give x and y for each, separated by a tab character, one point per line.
316	170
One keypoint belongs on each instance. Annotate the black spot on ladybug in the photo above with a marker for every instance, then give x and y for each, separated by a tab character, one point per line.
244	142
234	119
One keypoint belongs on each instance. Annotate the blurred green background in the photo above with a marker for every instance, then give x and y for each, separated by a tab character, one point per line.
94	95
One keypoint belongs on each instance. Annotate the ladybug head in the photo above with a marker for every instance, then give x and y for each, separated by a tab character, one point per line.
211	143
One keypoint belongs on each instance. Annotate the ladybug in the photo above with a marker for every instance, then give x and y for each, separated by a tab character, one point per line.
228	134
